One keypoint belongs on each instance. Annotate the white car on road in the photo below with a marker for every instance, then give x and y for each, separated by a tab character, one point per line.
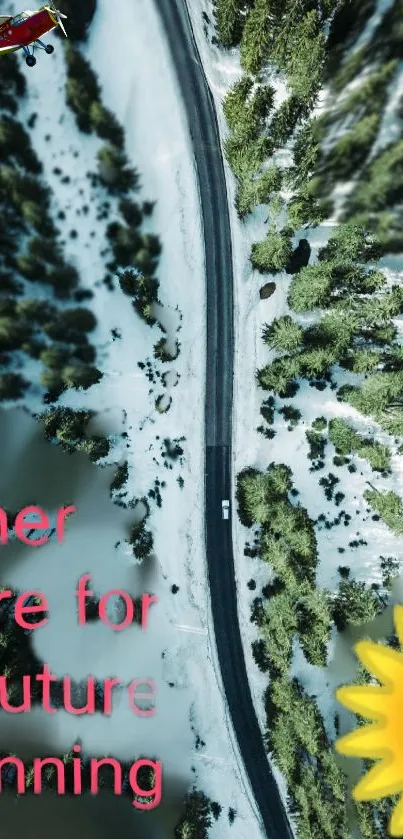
225	509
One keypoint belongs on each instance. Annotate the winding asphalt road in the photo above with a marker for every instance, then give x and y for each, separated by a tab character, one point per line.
218	417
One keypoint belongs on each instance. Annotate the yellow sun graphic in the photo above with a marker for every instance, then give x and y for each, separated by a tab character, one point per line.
383	738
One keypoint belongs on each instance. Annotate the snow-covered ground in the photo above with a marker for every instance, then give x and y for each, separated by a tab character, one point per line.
139	85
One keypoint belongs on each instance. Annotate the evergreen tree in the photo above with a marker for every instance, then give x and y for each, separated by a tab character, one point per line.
314	623
55	357
307	151
351	242
115	172
302	54
13	333
354	604
362	361
311	287
31	268
80	319
335	329
234	103
281	744
283	334
307	723
273	254
82	87
256	37
141	540
45	249
246	159
304	209
229	22
277	553
252	496
253	191
389	506
131	212
65	424
370	96
381	182
379	396
95	447
280	376
63	278
12	386
278	630
346	440
34	310
105	124
316	362
257	490
32	214
81	376
196	821
352	149
15	143
52	380
12	85
285	120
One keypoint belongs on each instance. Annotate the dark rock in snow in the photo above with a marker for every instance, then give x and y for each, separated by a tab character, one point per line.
267	290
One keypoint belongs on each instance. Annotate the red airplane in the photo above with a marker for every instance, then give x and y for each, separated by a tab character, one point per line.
26	29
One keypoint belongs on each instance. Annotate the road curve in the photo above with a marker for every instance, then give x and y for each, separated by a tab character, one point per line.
204	131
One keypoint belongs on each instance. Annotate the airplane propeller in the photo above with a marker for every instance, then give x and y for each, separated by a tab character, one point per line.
59	17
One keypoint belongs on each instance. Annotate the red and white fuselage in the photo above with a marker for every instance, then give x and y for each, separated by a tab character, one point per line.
26	28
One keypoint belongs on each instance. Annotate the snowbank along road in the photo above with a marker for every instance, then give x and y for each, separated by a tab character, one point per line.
218	418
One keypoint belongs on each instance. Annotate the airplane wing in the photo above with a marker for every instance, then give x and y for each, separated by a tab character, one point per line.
3	18
6	50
